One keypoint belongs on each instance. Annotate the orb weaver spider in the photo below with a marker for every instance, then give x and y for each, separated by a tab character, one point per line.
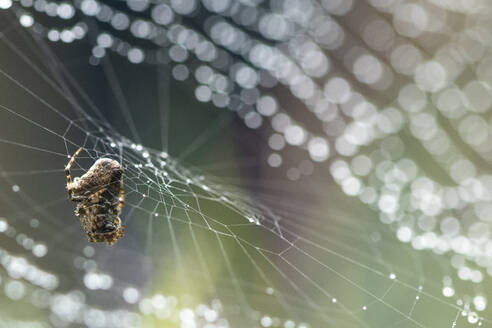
99	195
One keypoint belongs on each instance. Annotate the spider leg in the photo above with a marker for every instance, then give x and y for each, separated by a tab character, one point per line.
67	174
95	196
122	199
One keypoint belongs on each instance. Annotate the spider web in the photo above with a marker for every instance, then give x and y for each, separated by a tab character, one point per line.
201	250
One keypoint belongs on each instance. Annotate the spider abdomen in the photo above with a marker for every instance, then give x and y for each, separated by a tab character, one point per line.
105	172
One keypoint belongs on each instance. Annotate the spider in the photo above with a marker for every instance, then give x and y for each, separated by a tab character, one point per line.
99	195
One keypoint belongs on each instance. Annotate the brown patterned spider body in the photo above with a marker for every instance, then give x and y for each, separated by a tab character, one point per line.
99	196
